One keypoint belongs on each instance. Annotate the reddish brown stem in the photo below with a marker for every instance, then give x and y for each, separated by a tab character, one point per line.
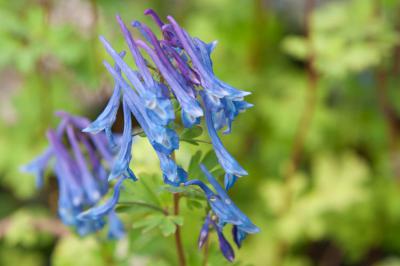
178	239
205	252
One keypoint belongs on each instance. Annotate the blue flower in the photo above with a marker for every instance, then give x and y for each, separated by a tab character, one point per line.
106	119
173	174
38	166
229	180
80	163
199	53
180	87
204	231
224	245
222	205
230	165
99	211
121	164
159	108
163	139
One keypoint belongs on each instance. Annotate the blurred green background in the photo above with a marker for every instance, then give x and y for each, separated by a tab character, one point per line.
321	145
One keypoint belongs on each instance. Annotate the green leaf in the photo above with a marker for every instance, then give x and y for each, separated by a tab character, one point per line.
150	222
194	204
210	160
194	163
168	226
193	142
191	133
178	220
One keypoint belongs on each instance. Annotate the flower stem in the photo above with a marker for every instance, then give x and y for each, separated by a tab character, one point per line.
178	240
205	252
143	204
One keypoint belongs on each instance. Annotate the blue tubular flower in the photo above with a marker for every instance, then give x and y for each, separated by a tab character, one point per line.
224	245
204	232
177	83
37	167
163	139
68	169
121	164
89	183
188	120
166	29
79	165
188	73
159	108
39	164
199	54
106	119
229	180
102	210
230	165
172	173
223	207
238	236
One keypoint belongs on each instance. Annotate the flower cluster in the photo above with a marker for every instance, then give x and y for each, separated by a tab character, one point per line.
179	71
80	162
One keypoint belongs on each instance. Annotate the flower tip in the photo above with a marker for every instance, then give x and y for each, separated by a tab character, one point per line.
148	11
136	23
88	129
118	17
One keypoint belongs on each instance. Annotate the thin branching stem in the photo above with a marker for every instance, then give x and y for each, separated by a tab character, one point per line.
178	239
144	204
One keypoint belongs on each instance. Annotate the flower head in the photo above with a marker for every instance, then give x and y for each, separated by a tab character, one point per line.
80	163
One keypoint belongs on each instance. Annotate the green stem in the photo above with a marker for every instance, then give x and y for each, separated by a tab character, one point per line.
143	204
196	140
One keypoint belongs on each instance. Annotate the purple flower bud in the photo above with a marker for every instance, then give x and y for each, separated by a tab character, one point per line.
204	232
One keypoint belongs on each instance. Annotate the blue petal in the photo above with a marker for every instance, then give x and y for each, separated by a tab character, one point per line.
164	140
199	53
172	173
224	245
188	120
238	235
174	79
102	210
139	60
226	160
67	170
225	209
229	180
89	183
121	163
106	119
201	184
204	232
159	110
38	166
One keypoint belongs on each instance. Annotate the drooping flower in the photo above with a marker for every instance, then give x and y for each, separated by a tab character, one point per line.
226	211
224	246
80	162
